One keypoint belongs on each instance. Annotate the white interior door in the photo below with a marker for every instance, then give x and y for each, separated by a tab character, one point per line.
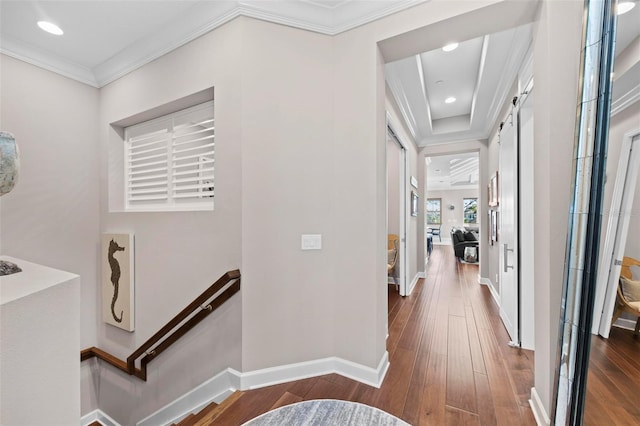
508	229
617	229
397	203
526	231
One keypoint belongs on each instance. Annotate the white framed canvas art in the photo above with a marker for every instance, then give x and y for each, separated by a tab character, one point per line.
118	280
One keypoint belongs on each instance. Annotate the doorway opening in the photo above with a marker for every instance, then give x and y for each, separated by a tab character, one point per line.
396	213
617	244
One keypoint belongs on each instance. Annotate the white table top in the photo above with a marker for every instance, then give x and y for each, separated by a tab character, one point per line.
32	279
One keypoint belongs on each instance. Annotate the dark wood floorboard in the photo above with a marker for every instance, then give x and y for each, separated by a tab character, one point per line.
450	363
613	385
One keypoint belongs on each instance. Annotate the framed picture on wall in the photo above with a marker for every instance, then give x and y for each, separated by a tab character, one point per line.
118	280
414	203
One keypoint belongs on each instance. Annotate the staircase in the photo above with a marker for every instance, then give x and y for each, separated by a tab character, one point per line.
209	414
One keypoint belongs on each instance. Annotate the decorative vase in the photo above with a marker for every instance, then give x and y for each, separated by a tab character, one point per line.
9	162
9	168
470	254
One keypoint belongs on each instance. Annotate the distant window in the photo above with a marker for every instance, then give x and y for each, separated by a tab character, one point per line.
470	209
169	161
434	206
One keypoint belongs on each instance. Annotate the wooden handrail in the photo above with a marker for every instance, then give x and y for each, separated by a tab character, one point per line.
170	333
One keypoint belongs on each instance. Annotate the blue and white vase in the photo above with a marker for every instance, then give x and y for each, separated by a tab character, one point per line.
9	162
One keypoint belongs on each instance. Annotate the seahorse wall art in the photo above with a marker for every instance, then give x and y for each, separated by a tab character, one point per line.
115	276
117	280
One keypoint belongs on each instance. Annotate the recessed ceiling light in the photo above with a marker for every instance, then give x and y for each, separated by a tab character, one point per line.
449	47
439	81
450	100
624	7
50	28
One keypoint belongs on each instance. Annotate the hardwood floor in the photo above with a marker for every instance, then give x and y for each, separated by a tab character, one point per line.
613	385
449	360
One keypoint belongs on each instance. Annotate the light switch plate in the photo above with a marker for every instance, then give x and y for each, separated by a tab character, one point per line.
311	242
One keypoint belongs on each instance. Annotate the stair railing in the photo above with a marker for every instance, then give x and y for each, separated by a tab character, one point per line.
210	300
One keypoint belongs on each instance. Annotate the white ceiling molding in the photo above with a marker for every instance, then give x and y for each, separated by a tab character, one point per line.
34	56
490	66
481	71
625	100
521	41
322	16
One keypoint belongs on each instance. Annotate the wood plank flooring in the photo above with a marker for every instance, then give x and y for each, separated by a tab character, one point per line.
613	385
451	365
449	360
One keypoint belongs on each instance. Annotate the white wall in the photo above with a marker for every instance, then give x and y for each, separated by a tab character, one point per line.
178	254
292	166
52	215
289	165
557	40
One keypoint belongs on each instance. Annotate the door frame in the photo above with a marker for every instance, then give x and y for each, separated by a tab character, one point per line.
526	231
403	204
616	236
512	324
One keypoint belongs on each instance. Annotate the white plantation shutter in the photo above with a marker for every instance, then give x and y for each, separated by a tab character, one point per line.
169	161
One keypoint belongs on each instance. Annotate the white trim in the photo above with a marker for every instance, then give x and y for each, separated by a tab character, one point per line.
97	416
404	203
542	418
47	61
413	283
492	290
218	388
616	236
422	275
203	18
625	100
627	324
287	373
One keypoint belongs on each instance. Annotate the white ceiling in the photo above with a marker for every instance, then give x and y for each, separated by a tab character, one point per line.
420	83
459	171
104	40
479	74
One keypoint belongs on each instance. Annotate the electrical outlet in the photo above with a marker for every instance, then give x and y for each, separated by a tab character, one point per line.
311	242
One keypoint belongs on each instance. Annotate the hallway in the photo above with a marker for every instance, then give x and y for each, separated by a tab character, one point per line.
450	363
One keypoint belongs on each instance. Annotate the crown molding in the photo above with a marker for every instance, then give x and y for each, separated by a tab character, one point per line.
625	100
203	18
47	61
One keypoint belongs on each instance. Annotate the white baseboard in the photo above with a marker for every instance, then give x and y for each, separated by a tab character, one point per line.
492	289
218	388
422	274
97	416
287	373
542	418
625	323
414	281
